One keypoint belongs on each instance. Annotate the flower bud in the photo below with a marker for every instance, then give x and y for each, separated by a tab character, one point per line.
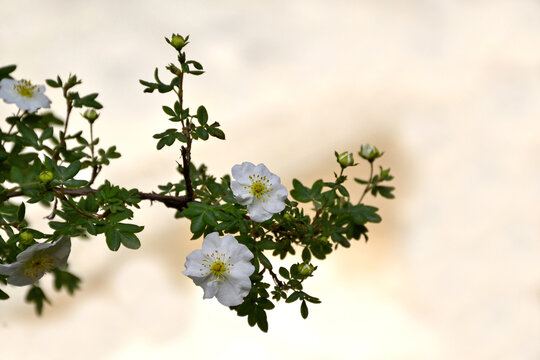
306	269
345	159
178	41
46	176
369	152
174	69
91	115
26	237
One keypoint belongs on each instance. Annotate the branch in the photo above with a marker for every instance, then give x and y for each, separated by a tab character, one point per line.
175	202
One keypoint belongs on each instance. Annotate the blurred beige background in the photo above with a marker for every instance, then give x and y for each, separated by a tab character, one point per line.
449	89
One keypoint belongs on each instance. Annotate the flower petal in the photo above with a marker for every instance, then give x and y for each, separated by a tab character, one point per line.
275	203
241	172
262	171
242	195
241	254
60	251
233	291
211	242
257	212
210	289
194	263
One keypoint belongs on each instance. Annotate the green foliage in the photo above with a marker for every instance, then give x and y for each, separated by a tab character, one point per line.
41	161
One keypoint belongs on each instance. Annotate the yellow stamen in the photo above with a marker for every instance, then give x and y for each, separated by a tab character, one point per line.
25	88
38	265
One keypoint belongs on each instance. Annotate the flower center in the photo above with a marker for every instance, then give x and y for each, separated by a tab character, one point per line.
38	265
216	264
25	88
259	187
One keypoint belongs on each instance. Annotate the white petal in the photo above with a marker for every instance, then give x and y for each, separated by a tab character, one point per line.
60	251
233	291
242	195
241	254
275	203
19	279
194	264
7	269
211	242
210	289
241	172
242	269
257	213
262	171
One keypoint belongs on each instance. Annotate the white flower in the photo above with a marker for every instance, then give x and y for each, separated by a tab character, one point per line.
222	268
27	96
258	189
35	261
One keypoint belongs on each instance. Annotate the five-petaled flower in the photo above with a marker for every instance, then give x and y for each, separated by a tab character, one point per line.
26	95
222	268
36	260
258	189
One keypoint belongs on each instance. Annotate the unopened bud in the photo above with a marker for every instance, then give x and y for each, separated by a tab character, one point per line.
369	152
178	41
26	237
306	269
345	159
174	69
46	176
91	115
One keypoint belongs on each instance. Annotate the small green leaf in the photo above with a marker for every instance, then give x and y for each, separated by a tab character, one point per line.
3	295
21	212
197	224
304	309
71	170
202	115
37	296
284	272
169	111
112	238
202	133
264	260
262	321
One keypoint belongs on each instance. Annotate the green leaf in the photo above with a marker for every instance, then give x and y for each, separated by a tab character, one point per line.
3	295
210	218
197	224
293	297
169	111
304	309
65	279
6	70
306	255
202	115
37	296
47	133
284	272
27	133
52	83
262	321
215	132
264	260
202	133
112	238
21	212
71	170
300	192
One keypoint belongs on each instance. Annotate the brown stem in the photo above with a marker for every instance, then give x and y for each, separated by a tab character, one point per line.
185	150
175	202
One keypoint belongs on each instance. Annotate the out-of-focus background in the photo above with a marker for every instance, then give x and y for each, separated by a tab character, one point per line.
448	89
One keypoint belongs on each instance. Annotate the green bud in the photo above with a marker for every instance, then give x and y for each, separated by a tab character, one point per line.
369	152
178	42
46	176
306	269
174	69
288	217
90	115
26	237
345	159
